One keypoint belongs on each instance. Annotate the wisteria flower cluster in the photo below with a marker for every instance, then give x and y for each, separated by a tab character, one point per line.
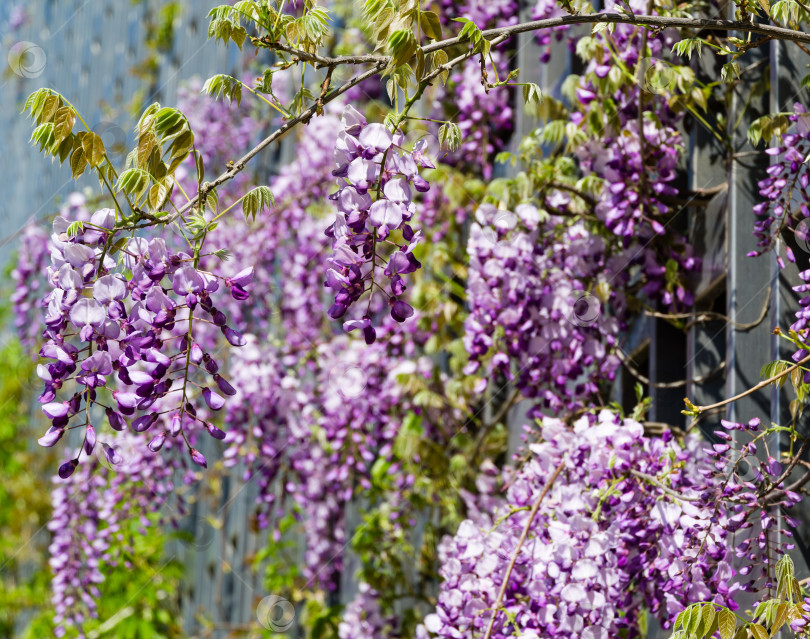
603	545
126	330
92	512
374	198
786	201
529	286
363	617
322	428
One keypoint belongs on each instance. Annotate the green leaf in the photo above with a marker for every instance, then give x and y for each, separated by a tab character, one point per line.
730	72
431	25
440	59
134	182
758	632
450	136
43	135
688	46
257	200
726	623
159	193
532	93
772	369
49	107
74	228
707	617
401	46
63	121
77	162
93	148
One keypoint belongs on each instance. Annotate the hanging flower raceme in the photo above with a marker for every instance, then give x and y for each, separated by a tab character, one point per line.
122	336
92	513
605	543
786	200
531	317
377	178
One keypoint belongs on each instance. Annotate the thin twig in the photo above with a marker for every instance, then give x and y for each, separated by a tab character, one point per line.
753	389
521	541
495	36
654	481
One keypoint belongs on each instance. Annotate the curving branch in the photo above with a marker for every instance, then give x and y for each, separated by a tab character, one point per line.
380	62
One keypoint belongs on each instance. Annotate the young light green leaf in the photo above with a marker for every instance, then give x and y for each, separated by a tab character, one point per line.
532	93
726	623
401	46
63	121
450	136
74	228
431	25
93	148
257	200
78	162
440	59
758	632
730	72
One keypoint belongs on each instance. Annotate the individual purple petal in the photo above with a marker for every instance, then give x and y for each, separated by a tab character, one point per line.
99	362
175	425
68	279
198	458
109	288
144	423
54	410
376	136
89	439
87	312
352	325
385	213
78	255
224	386
401	311
215	432
117	422
66	469
111	454
187	280
157	442
243	277
234	337
214	401
51	437
157	300
196	354
397	190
